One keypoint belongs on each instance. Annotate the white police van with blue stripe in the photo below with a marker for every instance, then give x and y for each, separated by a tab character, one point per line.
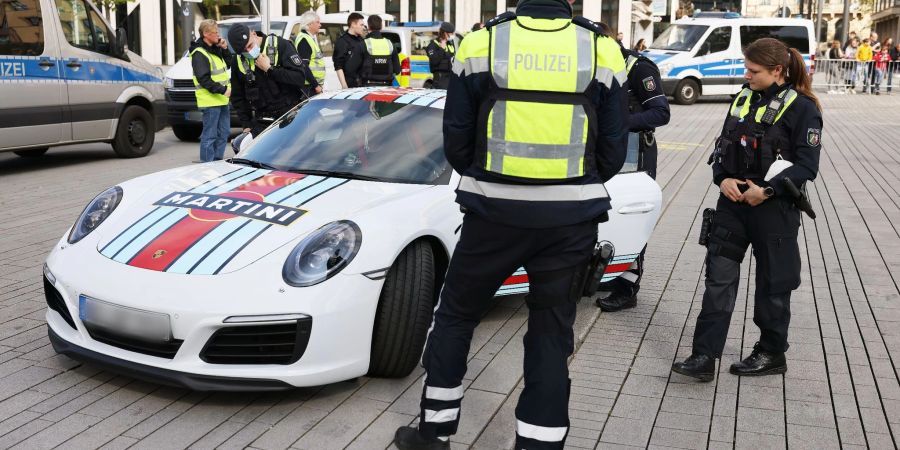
66	78
702	56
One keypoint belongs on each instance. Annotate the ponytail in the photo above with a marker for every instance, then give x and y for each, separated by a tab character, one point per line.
771	53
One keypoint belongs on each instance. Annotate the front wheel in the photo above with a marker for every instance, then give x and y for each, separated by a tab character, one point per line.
686	92
32	153
404	313
135	133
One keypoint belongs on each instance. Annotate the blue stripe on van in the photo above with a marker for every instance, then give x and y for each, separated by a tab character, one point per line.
28	68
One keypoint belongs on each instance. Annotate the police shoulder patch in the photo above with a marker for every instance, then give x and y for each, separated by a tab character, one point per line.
813	136
296	60
649	84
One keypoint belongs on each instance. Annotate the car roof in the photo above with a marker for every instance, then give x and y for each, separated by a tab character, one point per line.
744	21
433	98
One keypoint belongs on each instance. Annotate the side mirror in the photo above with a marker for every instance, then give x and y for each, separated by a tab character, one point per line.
121	42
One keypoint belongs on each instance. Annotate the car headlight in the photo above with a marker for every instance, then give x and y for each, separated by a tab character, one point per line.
169	82
322	254
664	69
95	213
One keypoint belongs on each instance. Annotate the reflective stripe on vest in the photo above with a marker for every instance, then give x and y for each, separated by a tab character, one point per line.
270	48
787	97
379	46
316	58
539	140
218	73
534	192
630	62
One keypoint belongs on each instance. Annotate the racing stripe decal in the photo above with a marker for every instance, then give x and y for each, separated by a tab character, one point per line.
168	245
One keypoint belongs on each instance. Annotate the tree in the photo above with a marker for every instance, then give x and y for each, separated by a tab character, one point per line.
314	5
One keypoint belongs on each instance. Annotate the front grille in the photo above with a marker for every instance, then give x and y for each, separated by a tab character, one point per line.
160	349
258	344
184	83
182	96
56	302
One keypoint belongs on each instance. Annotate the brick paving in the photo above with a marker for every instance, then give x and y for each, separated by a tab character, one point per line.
841	389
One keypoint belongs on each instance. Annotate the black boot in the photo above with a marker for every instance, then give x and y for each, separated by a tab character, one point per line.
409	438
701	367
617	301
760	362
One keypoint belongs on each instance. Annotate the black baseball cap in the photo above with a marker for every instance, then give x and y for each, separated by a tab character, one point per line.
447	27
238	36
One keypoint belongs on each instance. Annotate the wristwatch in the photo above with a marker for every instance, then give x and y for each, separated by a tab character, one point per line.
768	191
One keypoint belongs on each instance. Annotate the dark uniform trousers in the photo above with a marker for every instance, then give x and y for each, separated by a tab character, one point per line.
487	254
771	228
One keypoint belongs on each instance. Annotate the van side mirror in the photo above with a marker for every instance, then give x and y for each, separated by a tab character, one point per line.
121	42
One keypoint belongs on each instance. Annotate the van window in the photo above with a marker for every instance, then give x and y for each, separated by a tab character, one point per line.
420	41
679	37
21	28
76	26
102	35
294	32
717	41
793	36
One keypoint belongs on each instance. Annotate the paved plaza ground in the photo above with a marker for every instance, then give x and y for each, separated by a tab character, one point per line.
841	388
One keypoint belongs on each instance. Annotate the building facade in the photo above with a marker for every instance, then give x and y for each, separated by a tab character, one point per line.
886	19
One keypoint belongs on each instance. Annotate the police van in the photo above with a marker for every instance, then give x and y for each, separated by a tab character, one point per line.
702	56
66	78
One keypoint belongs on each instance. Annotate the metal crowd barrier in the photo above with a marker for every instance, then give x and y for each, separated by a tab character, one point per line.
846	76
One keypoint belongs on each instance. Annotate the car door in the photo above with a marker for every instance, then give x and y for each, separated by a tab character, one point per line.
93	79
716	58
32	93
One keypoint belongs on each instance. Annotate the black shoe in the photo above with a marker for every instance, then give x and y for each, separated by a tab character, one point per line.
759	363
616	301
409	438
701	367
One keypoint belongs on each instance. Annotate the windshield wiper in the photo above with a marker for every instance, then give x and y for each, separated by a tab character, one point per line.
338	174
252	163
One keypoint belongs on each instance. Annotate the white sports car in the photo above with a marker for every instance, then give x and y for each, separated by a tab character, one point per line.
314	256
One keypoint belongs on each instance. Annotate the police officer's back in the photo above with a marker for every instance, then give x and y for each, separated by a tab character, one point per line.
268	77
380	59
440	53
534	122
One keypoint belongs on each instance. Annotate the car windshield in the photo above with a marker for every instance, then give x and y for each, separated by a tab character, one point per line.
276	28
392	142
680	38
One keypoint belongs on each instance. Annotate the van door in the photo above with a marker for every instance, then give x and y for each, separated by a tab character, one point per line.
93	81
716	58
31	85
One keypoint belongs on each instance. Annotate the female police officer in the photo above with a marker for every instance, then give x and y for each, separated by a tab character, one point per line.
774	117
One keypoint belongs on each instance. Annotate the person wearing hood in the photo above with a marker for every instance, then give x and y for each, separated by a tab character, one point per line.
440	56
269	78
210	60
535	123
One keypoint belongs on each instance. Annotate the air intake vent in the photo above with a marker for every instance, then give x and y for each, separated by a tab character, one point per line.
56	302
159	349
258	344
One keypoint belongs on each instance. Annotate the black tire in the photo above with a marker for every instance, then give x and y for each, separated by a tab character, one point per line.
404	313
687	91
135	134
32	153
428	84
187	133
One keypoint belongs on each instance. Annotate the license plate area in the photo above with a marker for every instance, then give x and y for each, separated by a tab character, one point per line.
125	321
193	116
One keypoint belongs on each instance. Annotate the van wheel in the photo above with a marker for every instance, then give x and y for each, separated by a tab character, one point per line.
32	153
686	92
134	136
187	133
404	313
428	84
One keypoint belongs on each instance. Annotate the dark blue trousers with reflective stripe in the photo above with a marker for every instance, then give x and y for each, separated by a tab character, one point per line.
487	254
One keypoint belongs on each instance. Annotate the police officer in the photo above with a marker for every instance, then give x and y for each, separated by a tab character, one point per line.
308	48
440	56
348	51
775	116
268	78
210	59
534	122
648	109
380	59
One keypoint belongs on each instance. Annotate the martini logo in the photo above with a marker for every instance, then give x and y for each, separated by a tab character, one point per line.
218	208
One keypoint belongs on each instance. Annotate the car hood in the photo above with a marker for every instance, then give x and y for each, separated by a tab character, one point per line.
219	217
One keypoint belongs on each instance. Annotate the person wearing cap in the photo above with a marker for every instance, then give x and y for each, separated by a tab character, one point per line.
268	79
440	56
380	59
210	60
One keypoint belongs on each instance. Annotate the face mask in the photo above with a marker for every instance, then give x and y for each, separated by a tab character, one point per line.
252	54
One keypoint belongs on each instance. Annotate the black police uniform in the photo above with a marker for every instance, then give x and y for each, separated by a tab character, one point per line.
260	95
648	109
745	150
441	62
348	52
378	71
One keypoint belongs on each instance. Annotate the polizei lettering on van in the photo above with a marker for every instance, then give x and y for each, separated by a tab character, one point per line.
12	69
534	62
231	206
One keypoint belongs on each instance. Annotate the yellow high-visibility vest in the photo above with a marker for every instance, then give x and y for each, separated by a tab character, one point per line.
219	74
316	58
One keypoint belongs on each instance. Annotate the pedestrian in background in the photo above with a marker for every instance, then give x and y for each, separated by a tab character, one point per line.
640	46
440	56
850	38
894	65
880	61
348	52
381	61
864	63
210	60
851	66
836	72
307	44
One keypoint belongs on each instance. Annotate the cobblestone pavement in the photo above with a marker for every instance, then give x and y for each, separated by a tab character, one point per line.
841	389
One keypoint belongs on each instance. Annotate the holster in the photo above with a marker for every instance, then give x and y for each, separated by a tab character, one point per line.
706	225
603	252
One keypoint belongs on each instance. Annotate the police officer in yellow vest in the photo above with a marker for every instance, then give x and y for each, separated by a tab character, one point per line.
380	60
440	56
308	46
535	122
210	60
774	117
